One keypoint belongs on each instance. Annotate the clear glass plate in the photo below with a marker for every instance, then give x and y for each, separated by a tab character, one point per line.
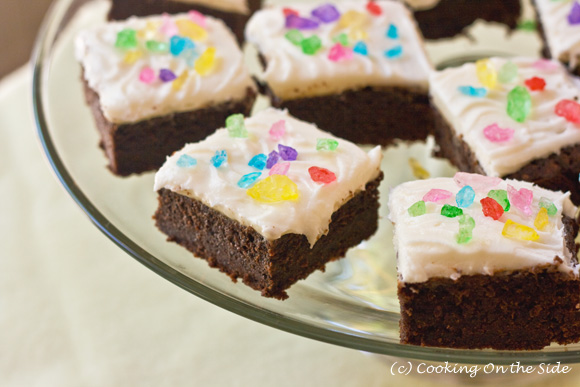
353	304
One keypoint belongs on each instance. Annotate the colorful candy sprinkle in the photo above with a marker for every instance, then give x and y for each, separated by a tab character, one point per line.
289	11
186	161
321	175
491	208
191	30
519	103
436	195
568	109
374	8
360	48
546	65
496	134
326	13
300	23
477	182
126	39
508	72
418	171
466	226
219	158
395	52
341	38
542	221
515	230
535	84
338	52
168	27
311	45
249	179
574	15
156	46
273	158
392	32
470	91
132	56
180	81
273	189
166	75
278	130
259	161
326	144
294	36
465	197
550	207
205	63
521	199
236	127
352	19
358	33
280	168
486	73
451	211
417	209
147	75
287	153
197	17
500	196
177	45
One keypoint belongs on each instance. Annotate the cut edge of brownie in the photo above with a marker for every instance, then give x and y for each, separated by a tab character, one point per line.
142	146
270	266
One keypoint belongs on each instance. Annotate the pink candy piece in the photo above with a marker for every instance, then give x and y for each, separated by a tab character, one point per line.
546	65
475	181
436	195
338	52
197	17
568	109
496	134
147	75
278	130
168	28
521	199
280	168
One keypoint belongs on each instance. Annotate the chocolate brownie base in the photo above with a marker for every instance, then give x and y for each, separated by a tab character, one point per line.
526	309
557	172
143	146
366	116
451	17
122	9
268	266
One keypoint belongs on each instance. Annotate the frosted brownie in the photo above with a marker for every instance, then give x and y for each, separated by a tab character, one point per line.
269	199
515	118
156	83
485	263
354	68
234	13
439	19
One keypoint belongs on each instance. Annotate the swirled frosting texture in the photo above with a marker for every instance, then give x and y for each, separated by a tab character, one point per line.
124	98
292	74
237	6
562	37
542	133
422	4
427	248
310	214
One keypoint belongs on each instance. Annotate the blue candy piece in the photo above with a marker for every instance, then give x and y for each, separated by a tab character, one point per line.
249	179
395	52
360	48
392	32
178	44
273	158
471	91
465	197
219	158
287	153
186	161
259	161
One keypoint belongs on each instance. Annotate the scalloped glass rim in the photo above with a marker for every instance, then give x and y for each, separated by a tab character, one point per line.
41	62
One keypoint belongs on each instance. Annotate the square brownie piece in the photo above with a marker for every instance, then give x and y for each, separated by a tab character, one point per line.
354	68
157	83
512	118
235	13
485	263
269	199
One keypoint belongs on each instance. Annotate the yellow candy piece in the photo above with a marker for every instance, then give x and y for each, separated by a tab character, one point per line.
542	219
486	73
132	56
515	230
179	81
275	188
352	19
190	29
357	34
418	171
149	31
206	61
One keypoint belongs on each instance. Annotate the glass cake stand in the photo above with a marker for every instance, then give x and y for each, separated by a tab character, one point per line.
352	304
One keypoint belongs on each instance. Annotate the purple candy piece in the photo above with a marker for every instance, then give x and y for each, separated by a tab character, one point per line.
166	75
574	15
273	158
300	23
287	153
326	13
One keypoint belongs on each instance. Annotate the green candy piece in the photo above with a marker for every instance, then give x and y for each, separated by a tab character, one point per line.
417	209
326	144
311	45
466	226
341	38
527	25
451	211
508	72
294	36
500	196
235	126
519	103
126	39
549	206
155	46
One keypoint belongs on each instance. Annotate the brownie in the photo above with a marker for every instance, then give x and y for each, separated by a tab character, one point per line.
123	9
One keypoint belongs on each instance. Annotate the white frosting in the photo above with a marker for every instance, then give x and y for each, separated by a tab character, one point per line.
422	4
237	6
292	74
541	134
310	214
426	245
562	37
124	98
